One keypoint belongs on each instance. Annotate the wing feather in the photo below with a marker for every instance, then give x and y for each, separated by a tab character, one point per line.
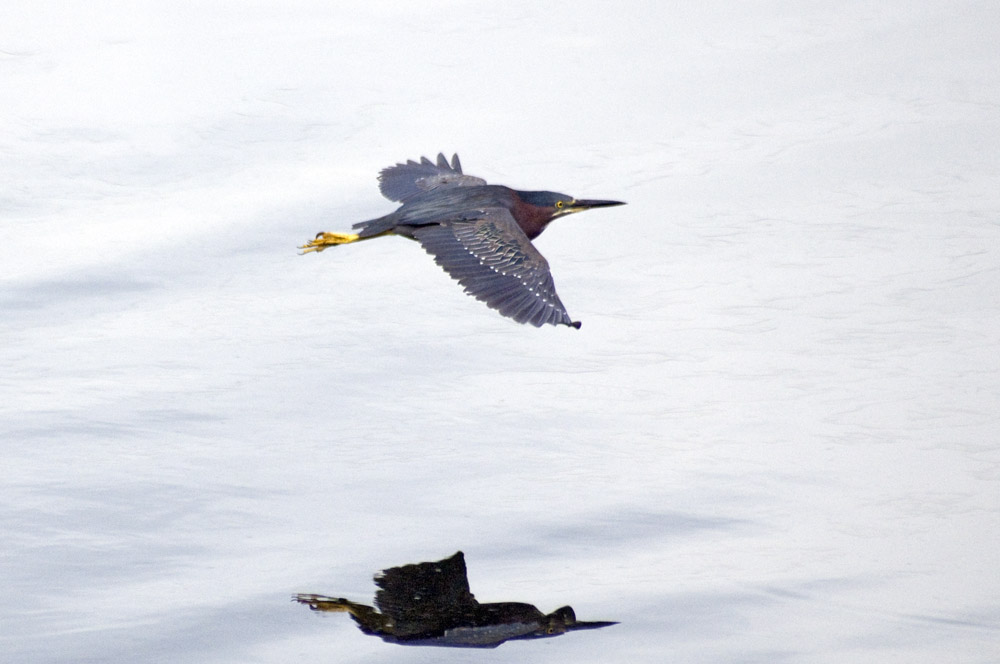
404	181
488	253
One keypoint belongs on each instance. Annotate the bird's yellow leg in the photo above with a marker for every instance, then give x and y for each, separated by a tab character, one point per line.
324	240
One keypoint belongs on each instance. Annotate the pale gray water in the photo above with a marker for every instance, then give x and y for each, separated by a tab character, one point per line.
776	437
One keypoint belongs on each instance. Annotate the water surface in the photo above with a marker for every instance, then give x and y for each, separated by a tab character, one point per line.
774	438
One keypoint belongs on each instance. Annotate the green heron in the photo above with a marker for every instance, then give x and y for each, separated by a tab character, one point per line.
479	233
429	604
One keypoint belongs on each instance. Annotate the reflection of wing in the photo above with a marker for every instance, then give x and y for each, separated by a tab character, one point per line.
482	636
489	254
426	592
404	181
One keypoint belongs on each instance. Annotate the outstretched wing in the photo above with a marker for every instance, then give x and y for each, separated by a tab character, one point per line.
489	254
404	181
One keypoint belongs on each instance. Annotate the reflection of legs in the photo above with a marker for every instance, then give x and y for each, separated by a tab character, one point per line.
323	603
368	618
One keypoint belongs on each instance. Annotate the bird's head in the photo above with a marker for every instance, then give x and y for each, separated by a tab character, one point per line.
559	205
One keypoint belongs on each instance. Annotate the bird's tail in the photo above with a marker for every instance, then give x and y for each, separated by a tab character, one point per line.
375	227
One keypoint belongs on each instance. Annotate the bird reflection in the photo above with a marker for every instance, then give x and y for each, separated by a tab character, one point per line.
430	604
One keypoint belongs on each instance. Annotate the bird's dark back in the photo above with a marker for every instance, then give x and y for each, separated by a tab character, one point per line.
456	203
439	204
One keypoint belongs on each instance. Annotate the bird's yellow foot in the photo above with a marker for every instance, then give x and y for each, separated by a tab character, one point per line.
324	240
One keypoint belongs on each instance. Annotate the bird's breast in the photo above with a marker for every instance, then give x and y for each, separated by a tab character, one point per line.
530	218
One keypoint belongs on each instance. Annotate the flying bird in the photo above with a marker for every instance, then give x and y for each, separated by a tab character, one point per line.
479	233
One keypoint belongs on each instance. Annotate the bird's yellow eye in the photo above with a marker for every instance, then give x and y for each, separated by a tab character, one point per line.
559	205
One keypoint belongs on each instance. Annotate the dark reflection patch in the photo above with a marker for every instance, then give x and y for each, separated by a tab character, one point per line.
430	604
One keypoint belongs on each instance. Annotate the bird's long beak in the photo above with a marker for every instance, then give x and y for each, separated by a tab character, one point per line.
579	206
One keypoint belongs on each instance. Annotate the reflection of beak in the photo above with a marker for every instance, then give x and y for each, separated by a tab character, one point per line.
590	625
580	206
